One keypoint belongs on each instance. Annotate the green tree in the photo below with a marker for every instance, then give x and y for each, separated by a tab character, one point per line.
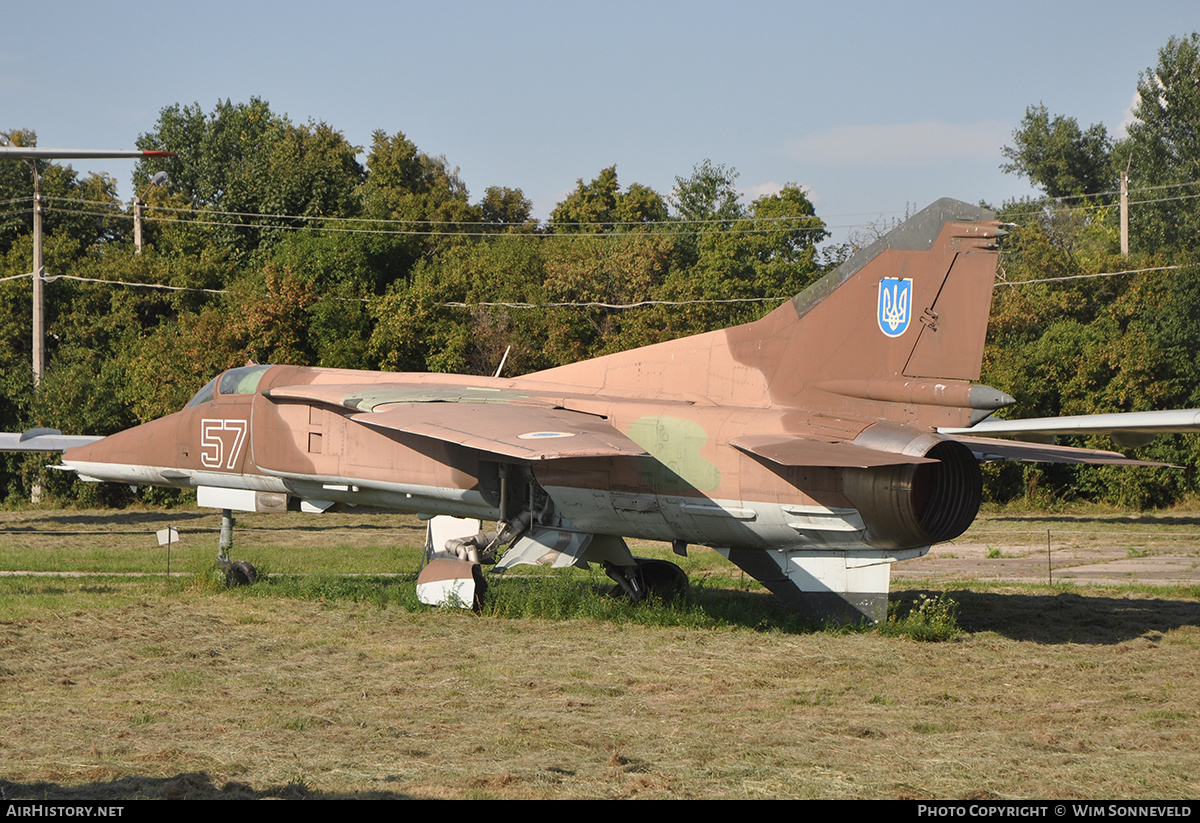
640	205
398	169
765	252
707	201
416	331
505	207
1058	157
601	206
343	271
245	159
709	194
591	207
1108	344
621	269
406	184
1163	149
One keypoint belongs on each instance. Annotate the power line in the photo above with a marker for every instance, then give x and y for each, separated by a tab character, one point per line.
497	232
1166	186
1066	197
455	304
597	305
496	229
1083	276
1165	199
391	221
52	278
448	304
674	221
1098	206
745	225
469	223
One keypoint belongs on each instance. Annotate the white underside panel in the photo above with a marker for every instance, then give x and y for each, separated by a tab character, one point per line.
458	592
711	522
844	572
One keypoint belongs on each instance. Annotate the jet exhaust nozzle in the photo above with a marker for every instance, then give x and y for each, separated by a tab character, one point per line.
912	505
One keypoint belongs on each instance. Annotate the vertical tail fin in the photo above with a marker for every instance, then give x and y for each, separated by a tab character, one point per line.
902	321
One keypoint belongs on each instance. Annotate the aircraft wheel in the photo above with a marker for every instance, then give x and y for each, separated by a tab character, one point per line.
241	573
657	578
662	578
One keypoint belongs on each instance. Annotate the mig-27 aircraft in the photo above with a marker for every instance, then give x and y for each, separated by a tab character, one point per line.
803	446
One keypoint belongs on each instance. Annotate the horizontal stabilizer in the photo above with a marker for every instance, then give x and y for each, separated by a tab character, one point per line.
987	449
520	432
1135	423
794	451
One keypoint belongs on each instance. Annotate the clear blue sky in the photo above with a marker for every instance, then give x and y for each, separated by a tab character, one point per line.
870	106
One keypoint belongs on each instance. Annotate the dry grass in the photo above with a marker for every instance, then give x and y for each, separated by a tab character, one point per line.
1088	547
134	687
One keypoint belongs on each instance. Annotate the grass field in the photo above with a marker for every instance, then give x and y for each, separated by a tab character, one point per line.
130	684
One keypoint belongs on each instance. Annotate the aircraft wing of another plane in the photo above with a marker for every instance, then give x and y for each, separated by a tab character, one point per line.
1135	428
43	440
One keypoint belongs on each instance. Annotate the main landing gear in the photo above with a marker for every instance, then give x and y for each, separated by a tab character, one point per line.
452	575
649	578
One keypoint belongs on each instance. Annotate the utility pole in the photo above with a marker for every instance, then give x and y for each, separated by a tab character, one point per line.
159	179
39	284
1125	209
39	280
137	223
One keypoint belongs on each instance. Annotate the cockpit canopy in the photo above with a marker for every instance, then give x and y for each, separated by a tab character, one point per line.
242	380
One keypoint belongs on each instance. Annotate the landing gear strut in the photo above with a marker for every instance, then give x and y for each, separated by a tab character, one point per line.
240	573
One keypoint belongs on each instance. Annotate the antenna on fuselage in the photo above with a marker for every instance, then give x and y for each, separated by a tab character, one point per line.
503	360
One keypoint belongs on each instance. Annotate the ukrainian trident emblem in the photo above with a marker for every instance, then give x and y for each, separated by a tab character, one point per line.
895	303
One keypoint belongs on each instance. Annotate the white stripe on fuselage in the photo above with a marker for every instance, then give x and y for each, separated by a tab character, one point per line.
701	521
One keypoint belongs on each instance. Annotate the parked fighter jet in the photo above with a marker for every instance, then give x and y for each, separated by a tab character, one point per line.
802	446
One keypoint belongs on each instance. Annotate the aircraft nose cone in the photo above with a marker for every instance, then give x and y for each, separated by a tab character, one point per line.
114	457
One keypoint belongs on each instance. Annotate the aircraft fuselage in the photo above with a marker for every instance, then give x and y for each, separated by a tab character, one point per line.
691	485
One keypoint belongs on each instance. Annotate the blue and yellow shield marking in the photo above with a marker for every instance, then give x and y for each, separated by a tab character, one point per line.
895	305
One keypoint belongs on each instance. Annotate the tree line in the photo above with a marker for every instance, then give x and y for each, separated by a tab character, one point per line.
277	245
